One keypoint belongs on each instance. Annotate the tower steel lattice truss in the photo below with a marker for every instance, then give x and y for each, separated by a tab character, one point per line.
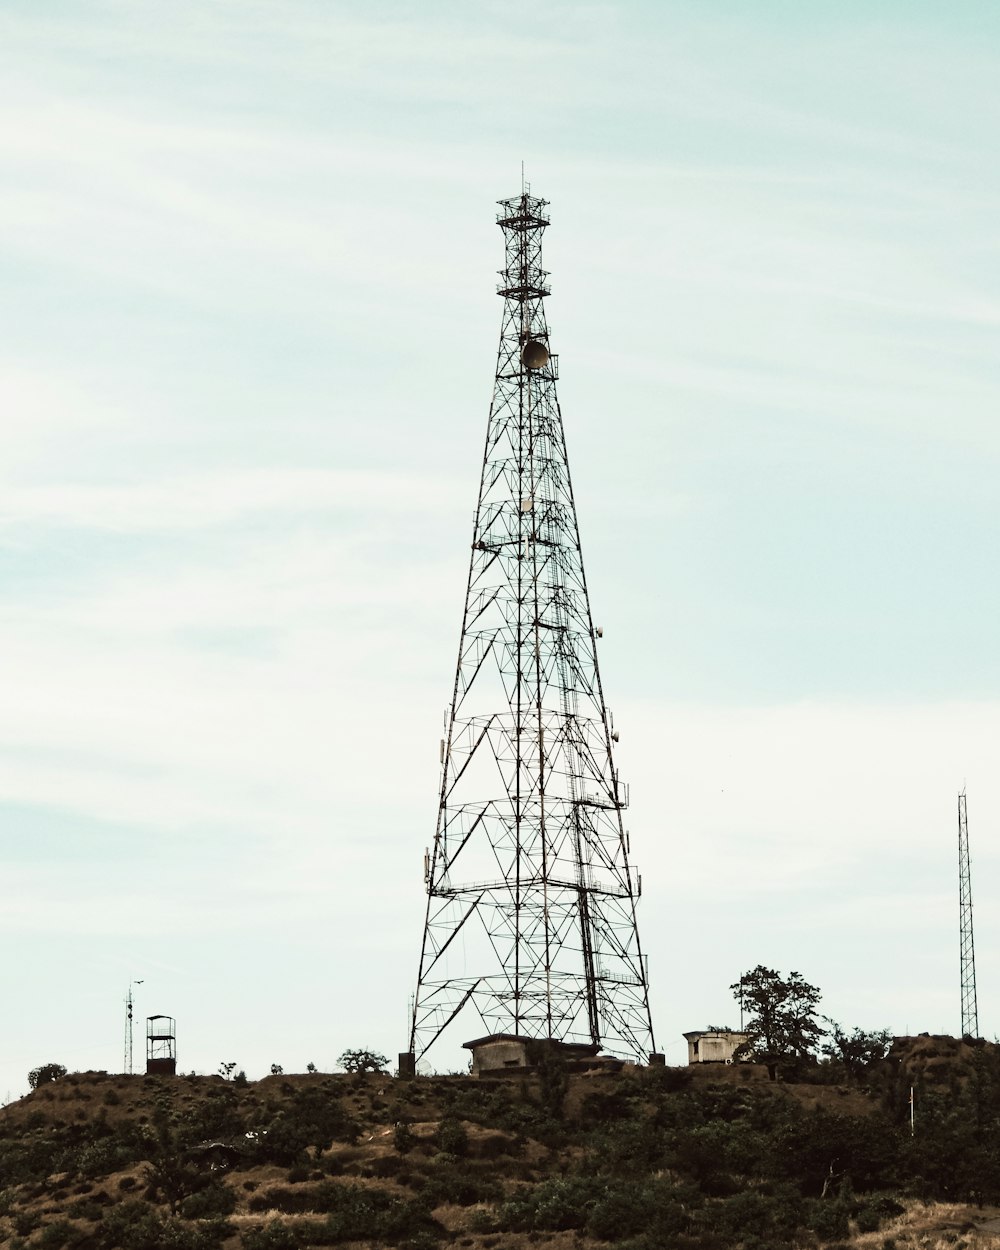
531	911
970	1010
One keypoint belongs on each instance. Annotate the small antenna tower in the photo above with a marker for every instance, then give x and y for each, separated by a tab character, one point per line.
128	1027
531	908
970	1010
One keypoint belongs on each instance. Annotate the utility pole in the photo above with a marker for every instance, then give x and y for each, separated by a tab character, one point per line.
531	897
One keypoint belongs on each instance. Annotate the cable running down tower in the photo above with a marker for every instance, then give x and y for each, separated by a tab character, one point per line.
531	912
970	1011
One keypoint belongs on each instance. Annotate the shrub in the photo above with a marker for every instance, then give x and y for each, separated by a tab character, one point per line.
451	1138
215	1199
313	1119
828	1219
55	1236
630	1208
132	1225
630	1145
387	1165
457	1185
176	1235
403	1139
751	1213
274	1235
559	1203
87	1209
868	1219
371	1214
353	1213
107	1154
25	1223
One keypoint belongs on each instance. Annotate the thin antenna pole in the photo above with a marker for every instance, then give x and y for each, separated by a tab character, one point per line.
128	1027
967	950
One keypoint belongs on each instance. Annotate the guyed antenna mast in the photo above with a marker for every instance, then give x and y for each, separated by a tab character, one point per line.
967	950
128	1027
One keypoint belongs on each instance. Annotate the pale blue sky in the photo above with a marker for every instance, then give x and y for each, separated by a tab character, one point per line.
248	255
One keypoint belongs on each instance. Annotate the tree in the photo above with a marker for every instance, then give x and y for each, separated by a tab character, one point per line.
782	1022
362	1061
47	1072
277	1069
553	1076
857	1051
170	1173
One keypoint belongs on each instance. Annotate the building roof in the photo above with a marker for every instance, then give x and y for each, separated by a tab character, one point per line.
584	1049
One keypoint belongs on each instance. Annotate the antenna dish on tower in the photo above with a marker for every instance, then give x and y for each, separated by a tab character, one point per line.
534	355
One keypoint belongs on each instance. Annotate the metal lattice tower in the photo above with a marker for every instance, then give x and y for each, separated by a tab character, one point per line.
531	912
970	1010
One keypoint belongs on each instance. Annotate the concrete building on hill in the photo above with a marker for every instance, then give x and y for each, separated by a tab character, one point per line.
508	1052
713	1045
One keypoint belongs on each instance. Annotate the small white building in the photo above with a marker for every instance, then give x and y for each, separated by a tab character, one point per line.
713	1045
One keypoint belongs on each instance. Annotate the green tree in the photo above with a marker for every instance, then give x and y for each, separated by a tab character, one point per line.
782	1010
170	1173
857	1051
47	1072
362	1061
553	1076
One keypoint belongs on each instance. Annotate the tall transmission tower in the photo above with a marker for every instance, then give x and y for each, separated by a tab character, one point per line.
970	1010
531	908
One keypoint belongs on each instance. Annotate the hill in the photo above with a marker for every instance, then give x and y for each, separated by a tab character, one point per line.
700	1159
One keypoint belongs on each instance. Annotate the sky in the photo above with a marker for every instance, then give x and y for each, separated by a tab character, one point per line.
248	257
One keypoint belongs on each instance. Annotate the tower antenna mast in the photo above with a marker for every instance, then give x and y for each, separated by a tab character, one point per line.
970	1010
128	1027
531	909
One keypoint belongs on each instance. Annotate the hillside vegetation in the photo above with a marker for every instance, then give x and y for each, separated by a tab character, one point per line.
698	1159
